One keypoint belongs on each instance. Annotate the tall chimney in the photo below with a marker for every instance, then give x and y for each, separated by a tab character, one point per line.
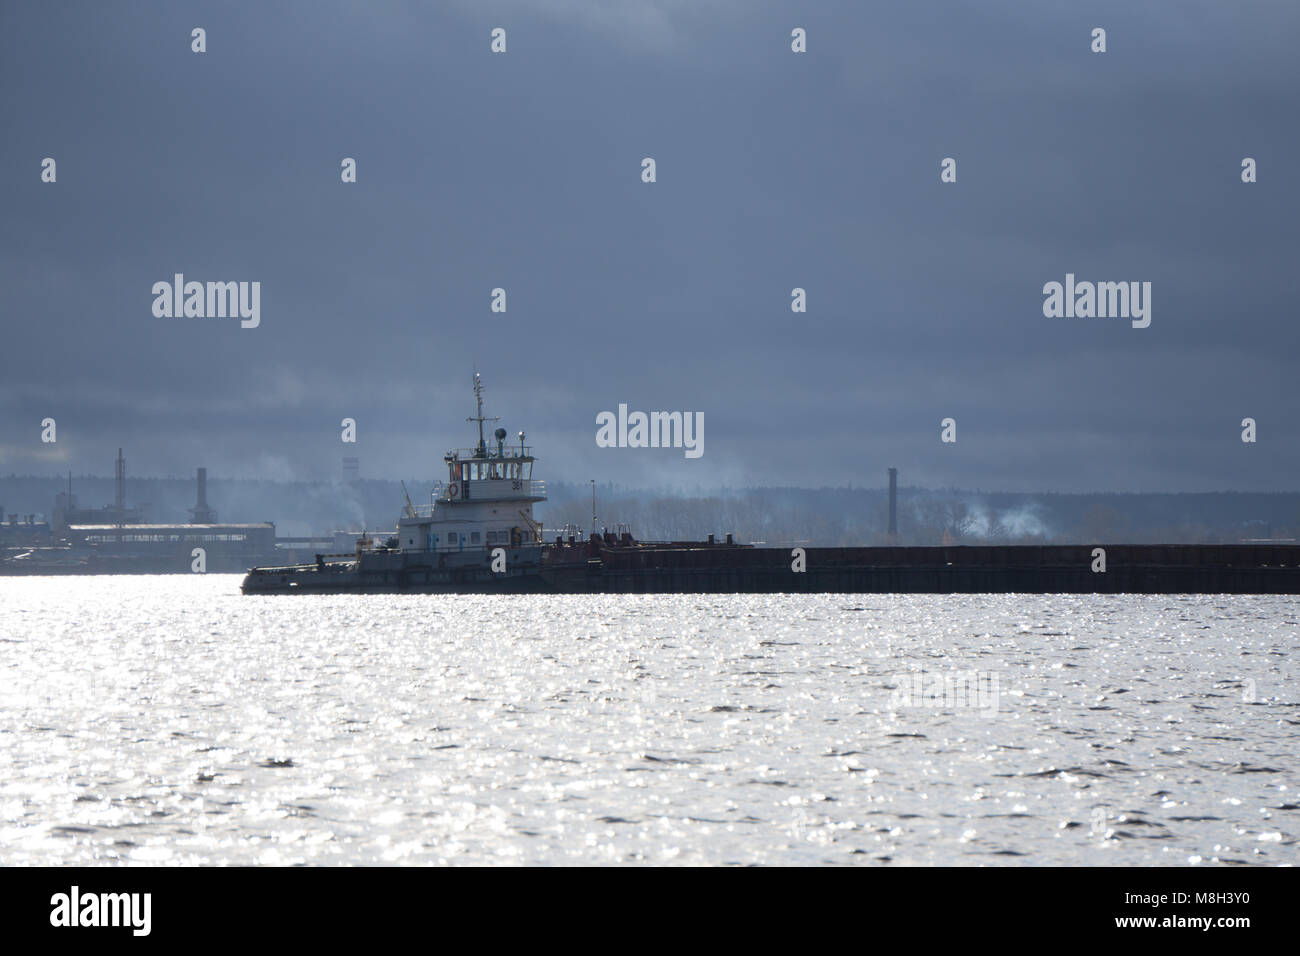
893	505
121	488
201	513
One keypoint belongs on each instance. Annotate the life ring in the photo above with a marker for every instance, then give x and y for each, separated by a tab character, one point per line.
452	490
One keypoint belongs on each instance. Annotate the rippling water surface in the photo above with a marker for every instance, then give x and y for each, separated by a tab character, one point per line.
171	720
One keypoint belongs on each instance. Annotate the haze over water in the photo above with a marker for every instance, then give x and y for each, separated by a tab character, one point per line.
171	720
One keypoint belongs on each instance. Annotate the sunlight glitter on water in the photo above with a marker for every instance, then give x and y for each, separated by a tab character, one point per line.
171	720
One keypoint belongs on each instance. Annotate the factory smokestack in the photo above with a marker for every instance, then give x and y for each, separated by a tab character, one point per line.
201	513
893	506
121	488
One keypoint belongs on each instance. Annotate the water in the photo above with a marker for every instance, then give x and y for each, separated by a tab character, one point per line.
170	720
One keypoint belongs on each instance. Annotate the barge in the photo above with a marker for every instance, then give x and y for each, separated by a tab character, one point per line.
479	536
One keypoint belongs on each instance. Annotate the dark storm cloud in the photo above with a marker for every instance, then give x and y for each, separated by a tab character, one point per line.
775	170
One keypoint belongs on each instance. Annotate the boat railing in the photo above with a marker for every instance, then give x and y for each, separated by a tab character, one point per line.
484	489
508	453
488	489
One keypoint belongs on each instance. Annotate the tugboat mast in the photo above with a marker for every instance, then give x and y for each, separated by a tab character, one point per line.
481	451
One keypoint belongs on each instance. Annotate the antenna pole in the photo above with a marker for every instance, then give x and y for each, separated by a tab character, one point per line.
478	397
593	506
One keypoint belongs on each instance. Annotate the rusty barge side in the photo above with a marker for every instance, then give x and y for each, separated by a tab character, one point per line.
1049	569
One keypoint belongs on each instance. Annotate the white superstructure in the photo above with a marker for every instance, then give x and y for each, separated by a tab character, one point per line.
487	501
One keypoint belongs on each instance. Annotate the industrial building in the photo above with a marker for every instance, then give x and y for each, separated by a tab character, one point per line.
24	531
68	512
118	538
170	547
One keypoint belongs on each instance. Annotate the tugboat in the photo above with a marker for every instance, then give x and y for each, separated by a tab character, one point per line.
478	536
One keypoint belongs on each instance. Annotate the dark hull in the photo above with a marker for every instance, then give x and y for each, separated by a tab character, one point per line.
718	569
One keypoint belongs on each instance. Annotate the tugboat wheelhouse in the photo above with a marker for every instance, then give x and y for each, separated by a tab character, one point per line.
487	500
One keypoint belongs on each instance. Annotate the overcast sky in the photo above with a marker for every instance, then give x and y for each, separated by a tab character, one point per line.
775	170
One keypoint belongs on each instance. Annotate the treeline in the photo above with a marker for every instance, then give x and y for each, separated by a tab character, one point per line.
831	517
776	516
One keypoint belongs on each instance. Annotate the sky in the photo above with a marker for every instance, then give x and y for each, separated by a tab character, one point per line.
775	170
